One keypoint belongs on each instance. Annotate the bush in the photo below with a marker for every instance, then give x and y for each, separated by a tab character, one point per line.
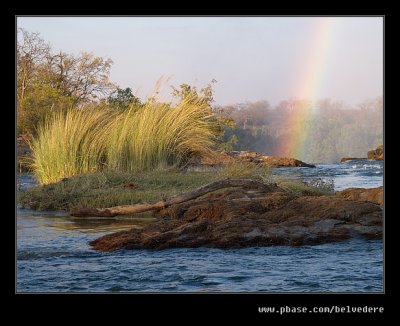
36	106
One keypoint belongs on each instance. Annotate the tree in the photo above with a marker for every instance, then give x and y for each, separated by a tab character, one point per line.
83	77
47	80
40	102
122	98
222	121
31	52
188	93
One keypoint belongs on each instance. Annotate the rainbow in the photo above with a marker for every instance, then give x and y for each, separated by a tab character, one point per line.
308	87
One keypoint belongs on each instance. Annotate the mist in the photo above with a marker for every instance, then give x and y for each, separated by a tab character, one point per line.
323	132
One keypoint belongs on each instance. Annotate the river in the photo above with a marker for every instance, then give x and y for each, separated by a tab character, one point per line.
53	254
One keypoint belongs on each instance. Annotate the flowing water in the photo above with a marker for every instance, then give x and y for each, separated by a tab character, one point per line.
53	254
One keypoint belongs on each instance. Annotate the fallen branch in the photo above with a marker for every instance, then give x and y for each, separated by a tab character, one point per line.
140	208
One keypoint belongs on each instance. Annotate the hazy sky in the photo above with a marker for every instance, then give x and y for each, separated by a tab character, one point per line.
252	58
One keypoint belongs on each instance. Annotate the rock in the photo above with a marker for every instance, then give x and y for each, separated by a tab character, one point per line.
249	216
273	161
374	195
224	158
376	154
345	159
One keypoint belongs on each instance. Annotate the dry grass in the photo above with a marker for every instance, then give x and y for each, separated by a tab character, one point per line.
69	143
139	139
157	135
243	169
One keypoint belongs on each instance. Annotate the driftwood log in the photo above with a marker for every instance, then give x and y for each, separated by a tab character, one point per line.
140	208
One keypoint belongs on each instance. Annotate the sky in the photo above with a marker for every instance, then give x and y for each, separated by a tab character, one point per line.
251	58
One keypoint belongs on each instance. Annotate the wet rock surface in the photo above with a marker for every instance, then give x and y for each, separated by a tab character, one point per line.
376	154
252	216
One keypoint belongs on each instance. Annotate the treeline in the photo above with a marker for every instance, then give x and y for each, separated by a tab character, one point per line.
52	81
329	130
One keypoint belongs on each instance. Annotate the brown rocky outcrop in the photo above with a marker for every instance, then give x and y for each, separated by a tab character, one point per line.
248	156
251	216
376	154
273	161
374	195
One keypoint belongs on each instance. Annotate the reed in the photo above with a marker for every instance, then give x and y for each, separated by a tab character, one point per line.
69	143
145	137
157	135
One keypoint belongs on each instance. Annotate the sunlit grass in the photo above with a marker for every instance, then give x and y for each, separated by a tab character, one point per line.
141	138
69	143
156	135
242	169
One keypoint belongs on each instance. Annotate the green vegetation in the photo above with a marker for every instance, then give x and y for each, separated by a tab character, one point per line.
107	189
243	169
69	143
49	81
141	138
76	121
205	96
157	135
122	99
97	145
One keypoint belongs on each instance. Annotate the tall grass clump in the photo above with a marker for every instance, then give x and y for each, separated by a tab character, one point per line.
69	143
158	135
143	137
